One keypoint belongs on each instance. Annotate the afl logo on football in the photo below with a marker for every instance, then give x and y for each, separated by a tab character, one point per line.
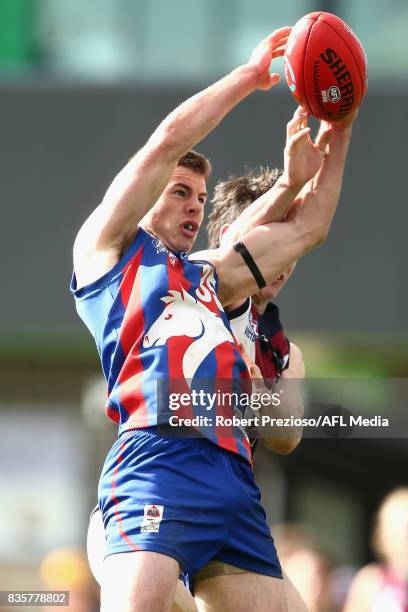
332	94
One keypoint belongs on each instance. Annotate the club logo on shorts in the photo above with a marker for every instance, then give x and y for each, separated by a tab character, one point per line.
153	515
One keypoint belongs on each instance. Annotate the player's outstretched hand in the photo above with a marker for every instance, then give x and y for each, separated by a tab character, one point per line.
262	56
303	157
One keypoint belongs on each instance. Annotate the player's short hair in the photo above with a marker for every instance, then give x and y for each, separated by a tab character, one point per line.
232	196
196	162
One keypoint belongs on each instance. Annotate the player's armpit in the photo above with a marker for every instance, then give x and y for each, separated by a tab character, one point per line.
114	223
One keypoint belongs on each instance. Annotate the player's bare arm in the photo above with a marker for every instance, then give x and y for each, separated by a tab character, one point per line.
302	160
305	227
289	388
113	224
323	190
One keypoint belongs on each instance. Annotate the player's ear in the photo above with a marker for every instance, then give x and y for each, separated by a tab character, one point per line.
223	230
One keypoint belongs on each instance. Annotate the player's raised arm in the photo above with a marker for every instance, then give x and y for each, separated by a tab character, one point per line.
302	160
137	187
320	196
272	247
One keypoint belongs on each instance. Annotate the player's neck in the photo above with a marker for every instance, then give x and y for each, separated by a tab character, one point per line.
235	306
260	306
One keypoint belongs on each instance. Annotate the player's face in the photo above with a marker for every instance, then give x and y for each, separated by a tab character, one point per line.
178	214
271	291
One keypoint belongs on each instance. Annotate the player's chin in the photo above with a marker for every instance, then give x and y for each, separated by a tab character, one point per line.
183	244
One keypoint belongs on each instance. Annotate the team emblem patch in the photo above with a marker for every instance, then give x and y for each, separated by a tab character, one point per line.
153	515
161	248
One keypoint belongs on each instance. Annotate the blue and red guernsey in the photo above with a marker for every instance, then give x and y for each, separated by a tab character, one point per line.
161	331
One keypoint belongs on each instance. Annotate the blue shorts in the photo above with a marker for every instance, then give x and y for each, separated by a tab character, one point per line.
186	498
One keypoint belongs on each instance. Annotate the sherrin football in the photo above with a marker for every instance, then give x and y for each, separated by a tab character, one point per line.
325	66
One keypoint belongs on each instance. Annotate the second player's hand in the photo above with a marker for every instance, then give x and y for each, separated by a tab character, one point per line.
262	56
344	124
254	371
303	157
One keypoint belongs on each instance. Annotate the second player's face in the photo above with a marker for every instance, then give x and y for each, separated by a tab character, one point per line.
178	214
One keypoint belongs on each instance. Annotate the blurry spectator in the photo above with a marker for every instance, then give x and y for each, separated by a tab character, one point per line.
382	587
66	569
306	565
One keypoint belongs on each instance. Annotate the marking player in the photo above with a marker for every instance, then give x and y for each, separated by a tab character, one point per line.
130	266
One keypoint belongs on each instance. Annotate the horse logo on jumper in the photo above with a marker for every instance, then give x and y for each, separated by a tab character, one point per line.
185	315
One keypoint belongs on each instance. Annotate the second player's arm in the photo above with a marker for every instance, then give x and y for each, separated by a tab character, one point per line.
274	246
322	192
302	160
280	439
284	440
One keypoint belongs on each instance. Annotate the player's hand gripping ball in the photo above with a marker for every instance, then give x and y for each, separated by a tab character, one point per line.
325	66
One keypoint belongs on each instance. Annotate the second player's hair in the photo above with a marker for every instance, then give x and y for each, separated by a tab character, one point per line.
196	162
232	196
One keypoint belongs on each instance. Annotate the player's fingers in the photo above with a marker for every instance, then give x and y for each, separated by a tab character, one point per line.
245	355
292	127
304	115
254	371
275	40
301	112
323	139
280	45
300	135
295	123
279	52
278	34
274	78
279	42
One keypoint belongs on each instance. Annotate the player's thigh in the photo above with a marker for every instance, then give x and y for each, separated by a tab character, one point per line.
294	600
141	581
240	593
183	599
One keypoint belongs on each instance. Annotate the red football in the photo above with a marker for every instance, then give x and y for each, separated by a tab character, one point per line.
325	66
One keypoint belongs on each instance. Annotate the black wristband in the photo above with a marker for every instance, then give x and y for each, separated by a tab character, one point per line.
240	248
